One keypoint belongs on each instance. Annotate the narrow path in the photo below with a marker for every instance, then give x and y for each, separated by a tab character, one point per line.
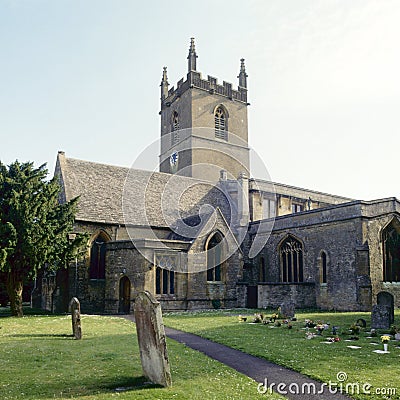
257	368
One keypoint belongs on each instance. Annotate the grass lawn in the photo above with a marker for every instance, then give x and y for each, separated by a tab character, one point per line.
40	360
290	348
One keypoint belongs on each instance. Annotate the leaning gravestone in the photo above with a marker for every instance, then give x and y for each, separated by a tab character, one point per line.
380	317
287	310
151	338
75	308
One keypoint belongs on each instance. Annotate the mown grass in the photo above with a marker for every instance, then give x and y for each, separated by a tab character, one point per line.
290	348
40	360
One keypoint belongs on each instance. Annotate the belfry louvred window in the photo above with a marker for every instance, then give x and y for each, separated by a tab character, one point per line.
175	128
221	131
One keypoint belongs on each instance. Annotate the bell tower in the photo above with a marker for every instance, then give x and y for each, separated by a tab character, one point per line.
204	126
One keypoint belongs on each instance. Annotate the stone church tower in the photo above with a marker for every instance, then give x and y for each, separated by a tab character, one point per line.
204	125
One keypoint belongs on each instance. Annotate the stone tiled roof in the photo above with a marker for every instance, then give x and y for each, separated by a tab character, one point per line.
120	195
191	222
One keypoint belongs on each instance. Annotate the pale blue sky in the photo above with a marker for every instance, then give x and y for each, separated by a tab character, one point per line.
324	86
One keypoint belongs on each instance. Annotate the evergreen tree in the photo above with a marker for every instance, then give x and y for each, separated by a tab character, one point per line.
34	227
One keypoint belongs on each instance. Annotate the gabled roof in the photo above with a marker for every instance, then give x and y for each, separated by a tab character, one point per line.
119	195
193	221
98	186
211	223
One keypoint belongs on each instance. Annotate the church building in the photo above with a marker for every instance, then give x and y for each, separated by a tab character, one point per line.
203	233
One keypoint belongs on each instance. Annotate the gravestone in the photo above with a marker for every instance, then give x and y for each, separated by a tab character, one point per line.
151	338
386	299
286	309
75	308
380	317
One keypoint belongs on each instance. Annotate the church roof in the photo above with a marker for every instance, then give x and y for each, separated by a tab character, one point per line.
119	195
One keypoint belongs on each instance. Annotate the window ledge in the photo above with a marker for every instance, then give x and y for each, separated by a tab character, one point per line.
287	283
166	296
218	139
323	284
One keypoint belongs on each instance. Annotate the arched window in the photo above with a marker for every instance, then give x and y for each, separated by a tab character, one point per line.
165	281
291	257
323	268
221	125
97	268
391	252
262	272
175	128
214	258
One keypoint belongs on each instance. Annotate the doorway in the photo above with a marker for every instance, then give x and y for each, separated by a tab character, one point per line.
252	297
124	295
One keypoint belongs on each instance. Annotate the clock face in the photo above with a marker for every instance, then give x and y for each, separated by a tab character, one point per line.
173	159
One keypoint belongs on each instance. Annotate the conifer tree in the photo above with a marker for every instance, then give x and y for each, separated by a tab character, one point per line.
34	227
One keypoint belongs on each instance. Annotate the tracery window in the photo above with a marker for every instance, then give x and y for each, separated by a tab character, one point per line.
97	268
323	268
291	258
391	253
165	281
221	129
214	258
262	271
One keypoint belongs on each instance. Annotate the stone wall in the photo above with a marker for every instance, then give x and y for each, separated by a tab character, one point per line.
90	292
272	295
241	294
124	260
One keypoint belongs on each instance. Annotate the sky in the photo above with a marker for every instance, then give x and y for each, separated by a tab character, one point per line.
323	78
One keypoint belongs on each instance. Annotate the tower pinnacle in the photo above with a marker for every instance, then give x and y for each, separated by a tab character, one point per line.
242	75
192	56
164	84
